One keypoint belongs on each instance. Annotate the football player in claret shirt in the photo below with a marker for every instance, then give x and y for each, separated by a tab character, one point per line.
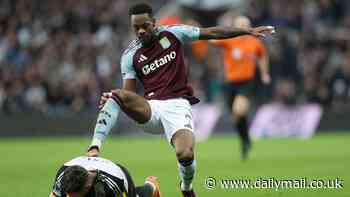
156	59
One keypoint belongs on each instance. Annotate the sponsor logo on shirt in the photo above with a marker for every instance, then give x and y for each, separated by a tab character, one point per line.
148	68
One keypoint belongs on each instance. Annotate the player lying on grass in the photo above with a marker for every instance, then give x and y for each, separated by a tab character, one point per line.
156	58
99	177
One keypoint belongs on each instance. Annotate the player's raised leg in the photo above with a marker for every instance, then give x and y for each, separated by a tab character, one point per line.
135	106
183	142
240	109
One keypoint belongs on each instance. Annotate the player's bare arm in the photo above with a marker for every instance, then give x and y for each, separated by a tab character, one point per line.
263	64
230	32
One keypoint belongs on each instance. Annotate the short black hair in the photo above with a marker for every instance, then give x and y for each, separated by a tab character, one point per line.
74	179
141	8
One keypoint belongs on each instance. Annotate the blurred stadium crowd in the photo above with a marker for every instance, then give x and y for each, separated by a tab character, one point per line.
58	56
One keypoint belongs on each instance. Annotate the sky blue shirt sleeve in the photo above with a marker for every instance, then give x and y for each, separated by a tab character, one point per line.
127	69
185	33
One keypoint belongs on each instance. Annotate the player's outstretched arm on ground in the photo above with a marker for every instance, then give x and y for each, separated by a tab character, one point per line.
231	32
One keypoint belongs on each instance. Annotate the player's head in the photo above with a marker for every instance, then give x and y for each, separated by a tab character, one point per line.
76	181
241	22
142	22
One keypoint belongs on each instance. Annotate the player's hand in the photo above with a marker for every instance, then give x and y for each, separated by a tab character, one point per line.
93	152
262	31
105	96
265	78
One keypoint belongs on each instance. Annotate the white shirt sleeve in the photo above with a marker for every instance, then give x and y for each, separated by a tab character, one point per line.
185	33
127	68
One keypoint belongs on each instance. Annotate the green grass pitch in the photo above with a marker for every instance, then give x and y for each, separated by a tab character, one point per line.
28	166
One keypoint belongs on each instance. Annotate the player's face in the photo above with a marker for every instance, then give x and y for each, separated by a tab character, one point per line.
82	193
143	26
76	194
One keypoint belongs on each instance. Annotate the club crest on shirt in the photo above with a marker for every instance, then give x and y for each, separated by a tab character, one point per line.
164	42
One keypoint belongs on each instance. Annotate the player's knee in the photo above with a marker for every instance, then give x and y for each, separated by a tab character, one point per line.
237	114
240	107
184	154
121	96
